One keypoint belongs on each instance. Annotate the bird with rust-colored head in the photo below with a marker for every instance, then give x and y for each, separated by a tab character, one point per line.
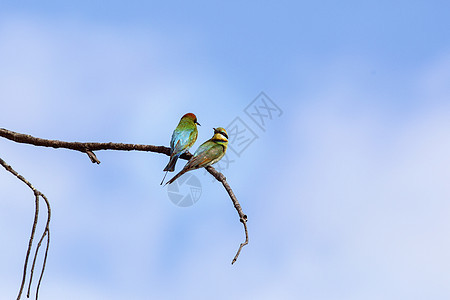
207	154
183	137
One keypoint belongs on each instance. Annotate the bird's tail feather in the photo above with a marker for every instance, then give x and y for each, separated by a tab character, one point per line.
176	176
171	165
165	174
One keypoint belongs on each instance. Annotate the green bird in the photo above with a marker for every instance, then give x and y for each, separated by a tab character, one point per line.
207	154
183	137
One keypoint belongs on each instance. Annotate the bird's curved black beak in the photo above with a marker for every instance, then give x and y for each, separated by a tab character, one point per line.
197	123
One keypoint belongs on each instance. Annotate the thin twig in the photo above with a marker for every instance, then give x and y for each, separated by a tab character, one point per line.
45	233
47	230
242	217
33	230
29	249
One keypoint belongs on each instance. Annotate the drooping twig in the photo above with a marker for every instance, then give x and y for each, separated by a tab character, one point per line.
89	148
47	230
37	194
45	233
242	217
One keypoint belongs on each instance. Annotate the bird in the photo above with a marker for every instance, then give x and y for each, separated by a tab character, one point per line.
207	153
183	137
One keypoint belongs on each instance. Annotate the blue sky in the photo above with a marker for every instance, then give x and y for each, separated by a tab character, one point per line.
346	192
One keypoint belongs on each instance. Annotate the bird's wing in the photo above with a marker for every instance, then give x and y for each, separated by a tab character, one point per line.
205	155
180	140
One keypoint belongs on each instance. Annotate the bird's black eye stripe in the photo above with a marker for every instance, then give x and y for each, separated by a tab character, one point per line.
221	132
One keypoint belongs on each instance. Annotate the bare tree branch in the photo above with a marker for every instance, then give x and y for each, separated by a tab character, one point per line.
88	148
37	194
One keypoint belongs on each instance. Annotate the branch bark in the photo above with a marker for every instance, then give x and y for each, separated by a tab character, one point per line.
88	148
